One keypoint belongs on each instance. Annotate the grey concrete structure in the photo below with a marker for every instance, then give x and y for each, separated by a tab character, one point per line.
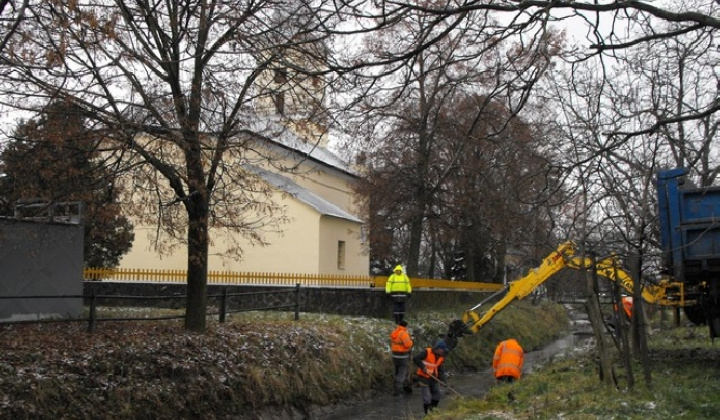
40	259
369	301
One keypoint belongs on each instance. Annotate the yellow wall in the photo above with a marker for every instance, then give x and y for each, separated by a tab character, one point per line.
307	244
335	188
333	230
297	249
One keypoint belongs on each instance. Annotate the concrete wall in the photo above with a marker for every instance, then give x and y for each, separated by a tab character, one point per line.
40	259
369	302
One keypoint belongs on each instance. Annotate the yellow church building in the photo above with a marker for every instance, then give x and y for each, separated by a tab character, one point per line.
322	232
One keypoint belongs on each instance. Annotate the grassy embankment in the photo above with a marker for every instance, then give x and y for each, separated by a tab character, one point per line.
685	384
252	363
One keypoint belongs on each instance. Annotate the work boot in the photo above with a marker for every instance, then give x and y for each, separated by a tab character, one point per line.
433	404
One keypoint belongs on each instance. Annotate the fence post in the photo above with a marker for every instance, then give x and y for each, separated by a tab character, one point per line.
92	315
223	305
297	301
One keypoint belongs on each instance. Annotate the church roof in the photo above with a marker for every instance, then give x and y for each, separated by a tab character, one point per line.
273	131
304	195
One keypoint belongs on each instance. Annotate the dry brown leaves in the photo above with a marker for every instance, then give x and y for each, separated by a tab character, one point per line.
151	370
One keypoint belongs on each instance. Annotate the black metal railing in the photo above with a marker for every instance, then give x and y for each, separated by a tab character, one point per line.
227	303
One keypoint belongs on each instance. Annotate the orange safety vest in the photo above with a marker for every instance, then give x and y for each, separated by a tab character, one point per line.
400	343
508	359
432	364
627	302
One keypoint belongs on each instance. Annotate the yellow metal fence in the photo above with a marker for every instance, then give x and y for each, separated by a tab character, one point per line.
272	279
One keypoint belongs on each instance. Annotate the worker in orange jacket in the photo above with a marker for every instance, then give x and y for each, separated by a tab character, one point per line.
627	303
431	373
508	361
401	345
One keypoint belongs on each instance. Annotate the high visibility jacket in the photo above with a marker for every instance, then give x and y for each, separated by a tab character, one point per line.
398	283
432	364
400	343
508	359
627	302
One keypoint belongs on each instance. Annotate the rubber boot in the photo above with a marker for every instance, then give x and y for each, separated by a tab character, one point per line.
407	387
426	407
433	404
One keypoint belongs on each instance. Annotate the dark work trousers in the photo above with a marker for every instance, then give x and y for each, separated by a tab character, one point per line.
401	363
505	379
399	301
430	390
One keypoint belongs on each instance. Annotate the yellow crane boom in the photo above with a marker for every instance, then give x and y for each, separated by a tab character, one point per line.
664	293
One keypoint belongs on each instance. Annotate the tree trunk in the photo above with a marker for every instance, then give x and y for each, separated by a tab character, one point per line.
470	263
501	252
626	350
607	376
643	346
433	253
196	309
639	319
416	227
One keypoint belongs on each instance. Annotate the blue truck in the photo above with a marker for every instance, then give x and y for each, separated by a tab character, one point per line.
689	221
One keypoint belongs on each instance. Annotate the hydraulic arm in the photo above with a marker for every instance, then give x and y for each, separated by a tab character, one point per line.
665	293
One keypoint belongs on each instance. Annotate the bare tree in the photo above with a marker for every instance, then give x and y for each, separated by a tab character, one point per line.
614	31
610	28
622	209
418	130
179	91
667	79
12	14
602	133
176	87
498	182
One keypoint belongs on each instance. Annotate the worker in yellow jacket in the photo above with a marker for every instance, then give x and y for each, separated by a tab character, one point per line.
508	361
399	289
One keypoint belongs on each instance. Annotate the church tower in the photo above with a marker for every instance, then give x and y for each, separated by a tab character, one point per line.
293	87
